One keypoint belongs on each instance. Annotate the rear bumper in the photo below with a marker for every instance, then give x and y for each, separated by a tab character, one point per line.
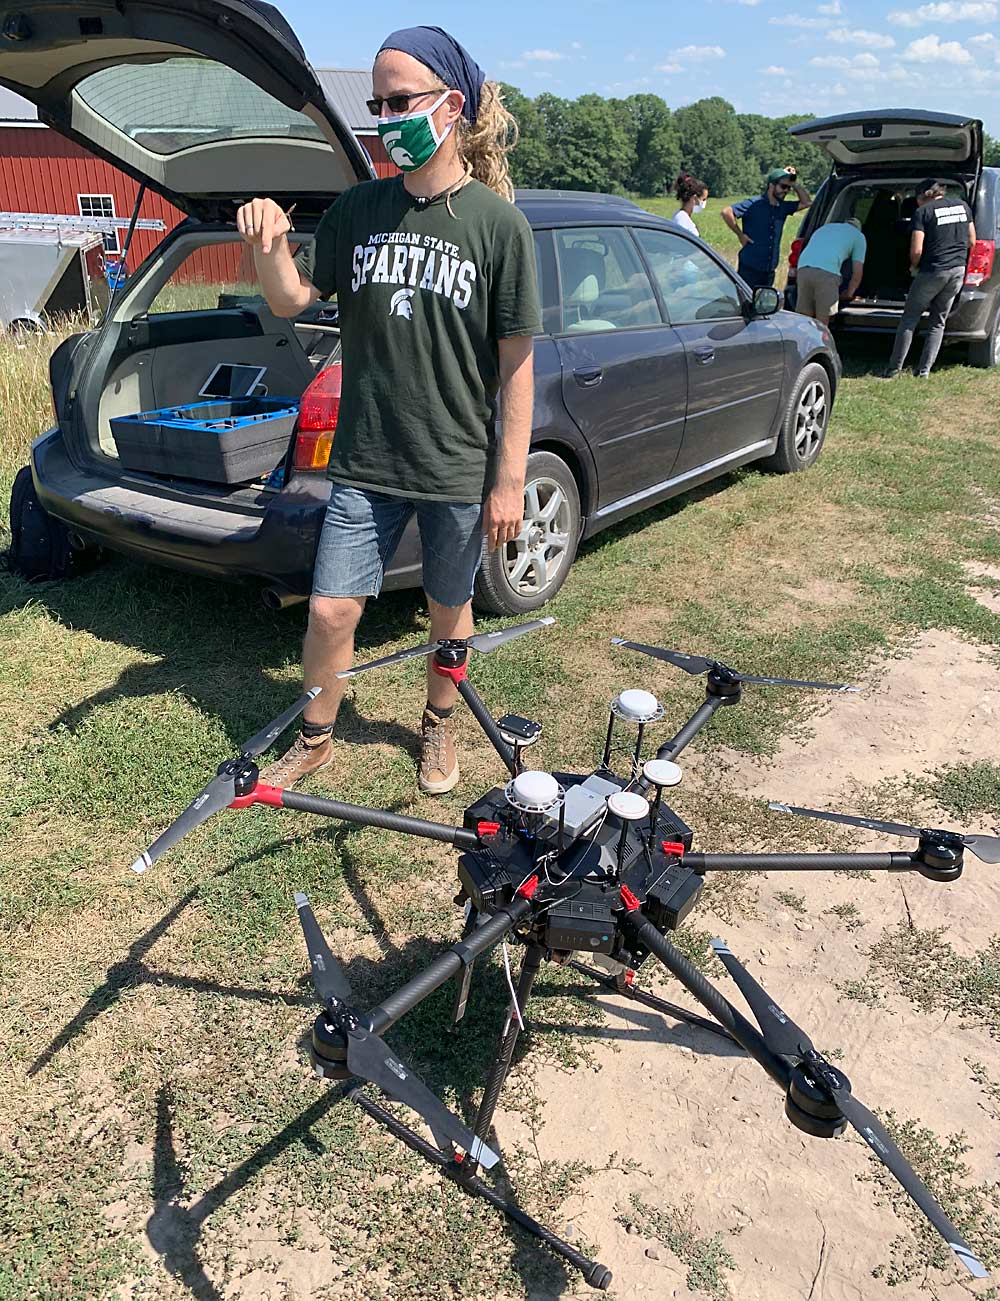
270	539
971	319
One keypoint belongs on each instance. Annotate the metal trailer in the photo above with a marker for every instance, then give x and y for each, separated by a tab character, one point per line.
52	265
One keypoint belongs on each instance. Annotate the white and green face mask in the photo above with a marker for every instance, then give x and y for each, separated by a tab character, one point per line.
412	139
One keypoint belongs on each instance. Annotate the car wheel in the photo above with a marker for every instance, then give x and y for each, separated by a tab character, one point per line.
527	572
985	353
803	428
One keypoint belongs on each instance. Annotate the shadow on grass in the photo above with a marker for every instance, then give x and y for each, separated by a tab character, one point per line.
211	642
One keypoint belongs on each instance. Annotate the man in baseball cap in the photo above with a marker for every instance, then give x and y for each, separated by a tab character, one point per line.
763	218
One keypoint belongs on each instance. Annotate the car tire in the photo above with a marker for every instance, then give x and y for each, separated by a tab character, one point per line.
41	549
985	353
526	573
804	424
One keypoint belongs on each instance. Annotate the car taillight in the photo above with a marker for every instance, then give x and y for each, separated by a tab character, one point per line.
980	266
319	409
794	253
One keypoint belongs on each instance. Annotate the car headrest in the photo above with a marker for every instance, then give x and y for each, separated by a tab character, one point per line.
582	275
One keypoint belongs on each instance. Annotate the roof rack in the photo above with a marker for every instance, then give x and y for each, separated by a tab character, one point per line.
105	225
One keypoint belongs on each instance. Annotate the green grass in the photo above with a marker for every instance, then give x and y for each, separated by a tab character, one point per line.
184	992
974	1208
705	1257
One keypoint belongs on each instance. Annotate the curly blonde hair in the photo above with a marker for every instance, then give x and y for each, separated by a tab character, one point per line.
483	145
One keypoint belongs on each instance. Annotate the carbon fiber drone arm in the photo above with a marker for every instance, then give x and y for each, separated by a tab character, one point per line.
897	862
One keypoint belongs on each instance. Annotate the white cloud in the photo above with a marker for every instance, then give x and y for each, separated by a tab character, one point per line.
749	3
860	65
860	36
797	20
931	49
669	68
774	70
697	53
944	13
834	9
575	45
543	56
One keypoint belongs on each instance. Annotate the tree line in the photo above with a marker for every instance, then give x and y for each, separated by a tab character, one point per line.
637	145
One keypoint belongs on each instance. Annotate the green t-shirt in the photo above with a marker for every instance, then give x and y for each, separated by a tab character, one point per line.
423	297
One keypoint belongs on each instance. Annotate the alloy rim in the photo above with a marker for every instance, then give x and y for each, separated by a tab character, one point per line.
810	420
534	559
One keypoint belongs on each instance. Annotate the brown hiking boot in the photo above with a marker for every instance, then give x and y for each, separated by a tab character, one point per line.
438	761
304	757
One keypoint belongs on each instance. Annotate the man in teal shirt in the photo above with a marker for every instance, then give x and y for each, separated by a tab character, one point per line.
821	264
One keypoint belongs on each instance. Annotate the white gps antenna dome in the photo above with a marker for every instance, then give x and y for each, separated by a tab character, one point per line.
637	706
661	772
629	806
533	792
633	708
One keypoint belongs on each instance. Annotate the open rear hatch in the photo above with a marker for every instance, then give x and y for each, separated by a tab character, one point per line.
895	140
878	158
206	101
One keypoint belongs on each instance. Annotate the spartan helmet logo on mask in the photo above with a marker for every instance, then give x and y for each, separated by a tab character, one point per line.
400	305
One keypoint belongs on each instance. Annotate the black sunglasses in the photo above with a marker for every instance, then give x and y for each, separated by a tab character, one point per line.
397	103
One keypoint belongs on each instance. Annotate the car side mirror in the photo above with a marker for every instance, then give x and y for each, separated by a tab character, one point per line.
766	301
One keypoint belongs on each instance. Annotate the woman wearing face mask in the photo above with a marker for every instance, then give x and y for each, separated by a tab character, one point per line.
434	273
692	194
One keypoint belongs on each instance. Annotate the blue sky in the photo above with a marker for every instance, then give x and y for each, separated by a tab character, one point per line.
765	56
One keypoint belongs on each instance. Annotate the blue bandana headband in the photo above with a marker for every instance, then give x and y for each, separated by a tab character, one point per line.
436	50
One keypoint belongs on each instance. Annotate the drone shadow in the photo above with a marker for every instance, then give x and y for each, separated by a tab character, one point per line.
173	1229
132	970
645	1025
209	641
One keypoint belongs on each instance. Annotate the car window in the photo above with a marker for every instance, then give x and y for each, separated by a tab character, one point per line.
182	102
693	285
545	266
216	275
604	284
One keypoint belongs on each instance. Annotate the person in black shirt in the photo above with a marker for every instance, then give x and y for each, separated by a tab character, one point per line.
942	234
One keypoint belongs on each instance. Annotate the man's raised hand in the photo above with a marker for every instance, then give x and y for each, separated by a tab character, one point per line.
261	222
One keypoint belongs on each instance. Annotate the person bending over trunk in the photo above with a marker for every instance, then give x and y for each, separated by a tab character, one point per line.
942	232
820	266
763	219
434	273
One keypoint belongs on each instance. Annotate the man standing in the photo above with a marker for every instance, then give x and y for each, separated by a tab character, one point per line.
942	232
821	264
763	219
434	273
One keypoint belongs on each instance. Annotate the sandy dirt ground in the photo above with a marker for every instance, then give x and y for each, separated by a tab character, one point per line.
800	1216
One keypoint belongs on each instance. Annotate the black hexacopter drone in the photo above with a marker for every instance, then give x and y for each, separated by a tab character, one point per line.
567	863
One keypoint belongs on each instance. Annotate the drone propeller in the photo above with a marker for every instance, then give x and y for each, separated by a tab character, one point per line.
696	664
221	790
785	1038
369	1057
986	848
328	976
484	642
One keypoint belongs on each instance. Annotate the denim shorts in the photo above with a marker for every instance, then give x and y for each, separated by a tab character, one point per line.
362	530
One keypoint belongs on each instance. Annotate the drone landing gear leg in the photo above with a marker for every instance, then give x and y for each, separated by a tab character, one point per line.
651	1000
596	1274
505	1048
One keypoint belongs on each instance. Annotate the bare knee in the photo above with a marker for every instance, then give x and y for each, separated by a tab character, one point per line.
334	618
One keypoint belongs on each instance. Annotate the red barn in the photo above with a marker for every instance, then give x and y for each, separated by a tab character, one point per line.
42	172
